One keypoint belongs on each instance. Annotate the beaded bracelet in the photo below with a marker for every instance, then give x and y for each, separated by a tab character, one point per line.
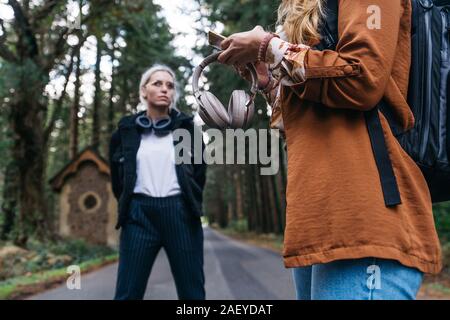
264	44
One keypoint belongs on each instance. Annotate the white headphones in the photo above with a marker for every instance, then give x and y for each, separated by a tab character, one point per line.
241	106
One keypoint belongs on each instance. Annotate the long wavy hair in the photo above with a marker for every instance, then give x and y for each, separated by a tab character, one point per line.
300	20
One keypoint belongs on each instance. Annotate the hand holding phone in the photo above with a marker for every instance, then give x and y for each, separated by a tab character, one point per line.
215	39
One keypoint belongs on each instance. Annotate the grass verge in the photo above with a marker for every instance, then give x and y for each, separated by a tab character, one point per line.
23	286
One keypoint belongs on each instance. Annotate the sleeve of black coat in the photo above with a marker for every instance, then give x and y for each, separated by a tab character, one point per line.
115	179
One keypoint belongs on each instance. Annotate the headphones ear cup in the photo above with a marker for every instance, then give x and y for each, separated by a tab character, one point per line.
143	123
202	111
237	109
205	117
215	110
250	110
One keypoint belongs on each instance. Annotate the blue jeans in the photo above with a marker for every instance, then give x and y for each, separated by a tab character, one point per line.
357	279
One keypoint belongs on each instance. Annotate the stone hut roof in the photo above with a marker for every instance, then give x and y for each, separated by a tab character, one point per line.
88	154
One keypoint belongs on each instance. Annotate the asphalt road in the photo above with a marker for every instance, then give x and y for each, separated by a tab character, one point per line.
233	270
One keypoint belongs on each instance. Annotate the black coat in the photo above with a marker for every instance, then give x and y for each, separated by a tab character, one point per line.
123	149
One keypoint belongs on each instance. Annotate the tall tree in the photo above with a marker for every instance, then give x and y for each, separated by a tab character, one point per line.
34	51
75	109
97	97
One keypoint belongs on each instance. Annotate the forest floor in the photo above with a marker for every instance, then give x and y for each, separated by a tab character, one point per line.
434	287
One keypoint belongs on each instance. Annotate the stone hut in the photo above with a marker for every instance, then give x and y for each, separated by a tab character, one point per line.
87	207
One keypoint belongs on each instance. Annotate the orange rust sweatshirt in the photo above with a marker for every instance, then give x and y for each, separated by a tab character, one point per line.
335	207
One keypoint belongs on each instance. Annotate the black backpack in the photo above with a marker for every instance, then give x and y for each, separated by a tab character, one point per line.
428	142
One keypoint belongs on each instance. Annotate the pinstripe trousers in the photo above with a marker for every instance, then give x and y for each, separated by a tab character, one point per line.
155	223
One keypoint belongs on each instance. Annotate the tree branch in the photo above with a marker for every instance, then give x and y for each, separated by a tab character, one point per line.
58	48
23	28
59	103
5	53
59	45
19	15
44	11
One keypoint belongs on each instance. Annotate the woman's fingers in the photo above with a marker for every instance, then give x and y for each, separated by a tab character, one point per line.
233	56
226	43
222	56
241	47
226	57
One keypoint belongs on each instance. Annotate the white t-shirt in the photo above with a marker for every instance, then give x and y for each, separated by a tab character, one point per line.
155	166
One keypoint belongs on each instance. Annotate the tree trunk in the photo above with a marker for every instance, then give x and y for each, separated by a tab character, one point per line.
28	152
251	205
73	143
9	205
111	105
123	96
97	98
267	205
258	207
221	200
27	116
238	188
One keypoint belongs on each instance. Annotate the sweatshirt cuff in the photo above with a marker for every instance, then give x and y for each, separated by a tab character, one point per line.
275	52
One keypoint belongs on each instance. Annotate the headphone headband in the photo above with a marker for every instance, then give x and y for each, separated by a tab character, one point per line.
213	58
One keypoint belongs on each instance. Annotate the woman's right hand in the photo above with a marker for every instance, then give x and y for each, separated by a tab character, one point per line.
242	47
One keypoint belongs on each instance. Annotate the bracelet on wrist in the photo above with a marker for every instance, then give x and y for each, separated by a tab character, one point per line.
264	45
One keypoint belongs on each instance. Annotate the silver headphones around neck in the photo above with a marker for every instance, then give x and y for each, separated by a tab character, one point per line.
161	126
241	106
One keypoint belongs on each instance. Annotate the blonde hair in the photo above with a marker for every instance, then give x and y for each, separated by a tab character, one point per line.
300	20
146	77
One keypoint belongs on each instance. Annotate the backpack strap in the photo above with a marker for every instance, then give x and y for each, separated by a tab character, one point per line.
388	181
389	186
448	115
447	97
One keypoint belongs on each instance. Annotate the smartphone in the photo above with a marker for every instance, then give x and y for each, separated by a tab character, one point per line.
215	39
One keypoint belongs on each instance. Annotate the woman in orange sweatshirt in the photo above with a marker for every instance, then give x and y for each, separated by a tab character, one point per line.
341	239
